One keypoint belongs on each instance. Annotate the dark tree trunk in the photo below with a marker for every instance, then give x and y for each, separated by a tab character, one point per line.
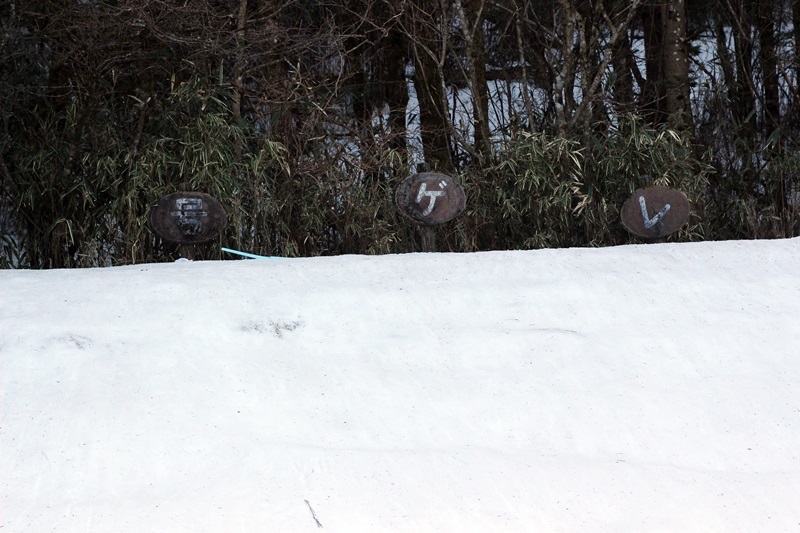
743	97
396	88
666	91
769	66
476	59
675	59
621	62
724	54
429	84
796	30
653	30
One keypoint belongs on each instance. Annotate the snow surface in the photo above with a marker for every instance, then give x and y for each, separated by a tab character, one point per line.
637	388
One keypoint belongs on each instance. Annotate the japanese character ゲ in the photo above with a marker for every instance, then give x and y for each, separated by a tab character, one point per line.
432	195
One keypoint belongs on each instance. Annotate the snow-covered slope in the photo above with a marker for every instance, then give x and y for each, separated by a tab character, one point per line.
639	388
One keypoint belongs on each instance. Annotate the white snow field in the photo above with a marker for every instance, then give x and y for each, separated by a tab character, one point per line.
629	389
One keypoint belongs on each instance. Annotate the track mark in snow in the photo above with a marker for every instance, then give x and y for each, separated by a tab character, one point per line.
557	330
74	341
277	328
254	326
313	514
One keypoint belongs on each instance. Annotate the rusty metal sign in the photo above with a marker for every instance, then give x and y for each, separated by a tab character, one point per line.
188	217
655	211
430	198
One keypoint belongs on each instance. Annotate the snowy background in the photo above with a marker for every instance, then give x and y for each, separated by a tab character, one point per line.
637	388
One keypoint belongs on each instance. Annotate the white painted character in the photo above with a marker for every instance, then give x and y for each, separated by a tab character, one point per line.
650	222
432	195
188	212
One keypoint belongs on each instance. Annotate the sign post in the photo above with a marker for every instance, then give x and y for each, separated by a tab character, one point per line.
655	212
429	198
188	218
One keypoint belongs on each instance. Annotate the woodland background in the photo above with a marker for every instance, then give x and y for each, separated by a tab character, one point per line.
302	116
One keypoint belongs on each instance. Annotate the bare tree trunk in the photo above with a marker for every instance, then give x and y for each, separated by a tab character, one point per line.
237	71
723	53
430	47
675	58
769	65
565	79
472	17
666	91
743	97
526	96
396	88
622	63
771	107
652	101
796	31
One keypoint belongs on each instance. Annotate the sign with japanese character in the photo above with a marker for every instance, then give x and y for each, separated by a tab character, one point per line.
430	198
655	212
188	217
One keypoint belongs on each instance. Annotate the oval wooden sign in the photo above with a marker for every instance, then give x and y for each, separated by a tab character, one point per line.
655	211
188	217
430	198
